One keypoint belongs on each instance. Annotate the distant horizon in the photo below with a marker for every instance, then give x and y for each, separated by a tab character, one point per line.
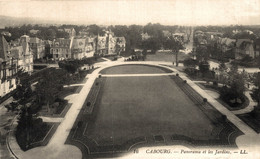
129	12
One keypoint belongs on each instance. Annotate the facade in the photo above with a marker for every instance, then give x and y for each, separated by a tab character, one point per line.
70	31
257	47
78	48
121	44
166	33
212	35
34	32
145	36
84	33
244	47
24	57
8	68
61	48
226	44
37	47
48	45
109	44
181	37
83	47
101	46
90	47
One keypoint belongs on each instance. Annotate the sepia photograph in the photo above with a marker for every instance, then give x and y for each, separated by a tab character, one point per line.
130	79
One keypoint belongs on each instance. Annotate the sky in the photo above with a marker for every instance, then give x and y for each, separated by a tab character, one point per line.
112	12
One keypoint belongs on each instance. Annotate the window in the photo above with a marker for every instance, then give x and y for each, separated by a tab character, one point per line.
10	84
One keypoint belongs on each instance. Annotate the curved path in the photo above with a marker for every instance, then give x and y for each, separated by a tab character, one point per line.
57	149
250	106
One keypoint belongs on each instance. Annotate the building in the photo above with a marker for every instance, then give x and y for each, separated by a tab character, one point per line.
37	47
166	33
70	31
48	45
24	56
145	36
181	37
212	35
121	44
84	33
90	47
101	45
34	32
257	47
226	44
78	48
244	47
109	44
61	48
8	68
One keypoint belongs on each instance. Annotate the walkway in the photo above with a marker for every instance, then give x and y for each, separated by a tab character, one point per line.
106	59
56	148
142	75
250	106
247	109
50	119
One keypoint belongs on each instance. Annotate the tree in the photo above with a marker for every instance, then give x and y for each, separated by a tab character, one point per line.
237	86
222	66
150	44
175	45
71	66
222	76
49	86
202	53
236	83
189	62
24	99
25	125
204	67
256	91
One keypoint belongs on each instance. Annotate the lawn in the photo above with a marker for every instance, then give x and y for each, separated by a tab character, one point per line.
135	69
138	109
145	106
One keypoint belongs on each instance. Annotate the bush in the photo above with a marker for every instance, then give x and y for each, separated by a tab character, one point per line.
100	76
184	81
88	104
229	97
205	100
38	130
191	71
177	74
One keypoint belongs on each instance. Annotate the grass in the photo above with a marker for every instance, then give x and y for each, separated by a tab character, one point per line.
130	110
134	69
126	113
